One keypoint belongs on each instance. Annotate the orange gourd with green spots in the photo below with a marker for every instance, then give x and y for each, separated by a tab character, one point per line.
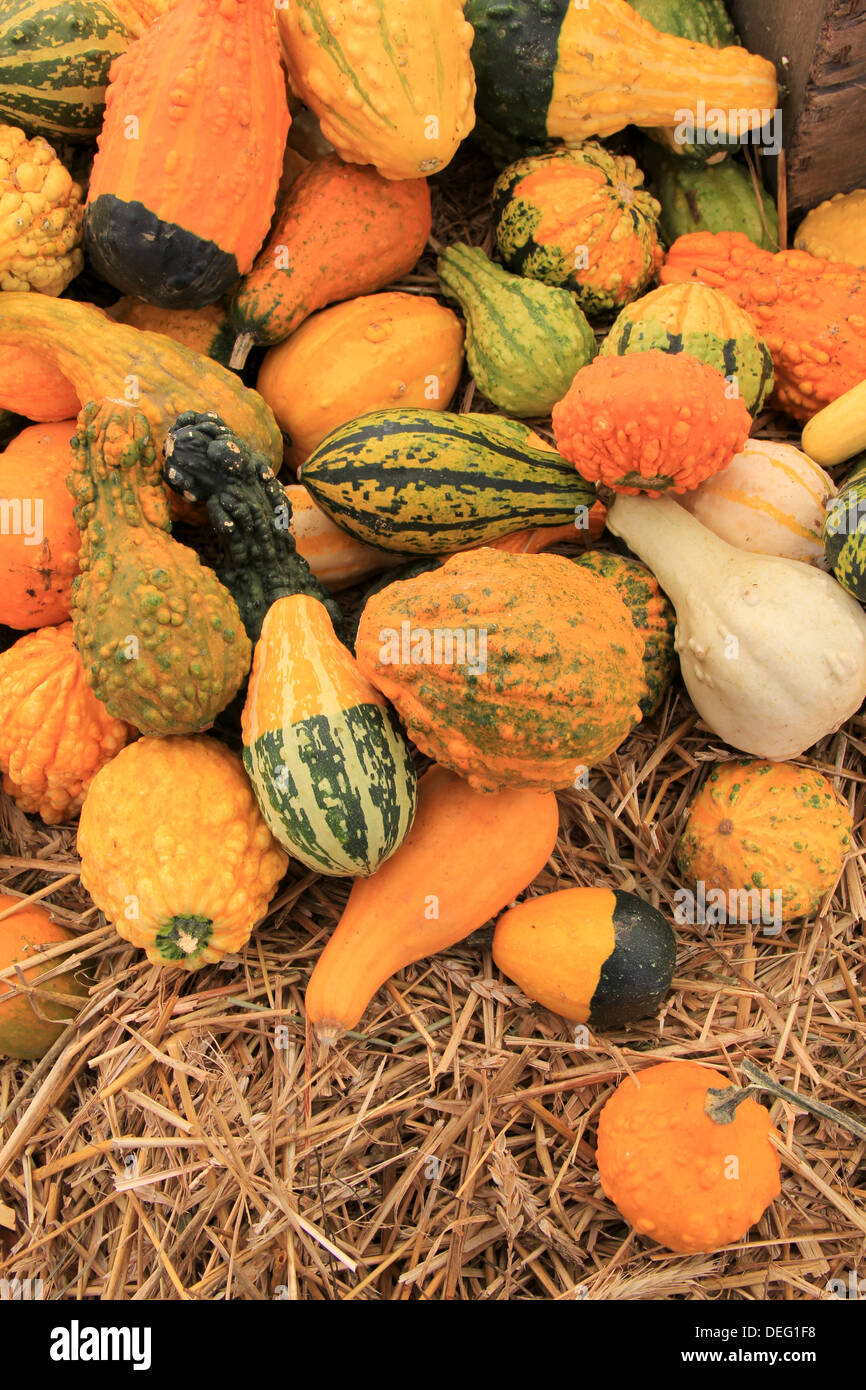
651	612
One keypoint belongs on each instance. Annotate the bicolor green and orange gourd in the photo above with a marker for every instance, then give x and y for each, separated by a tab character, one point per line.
34	1010
651	612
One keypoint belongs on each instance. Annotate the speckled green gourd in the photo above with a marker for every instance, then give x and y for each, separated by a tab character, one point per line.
652	614
525	340
161	639
709	198
845	533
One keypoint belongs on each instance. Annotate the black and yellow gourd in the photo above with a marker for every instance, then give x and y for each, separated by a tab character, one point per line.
593	955
525	341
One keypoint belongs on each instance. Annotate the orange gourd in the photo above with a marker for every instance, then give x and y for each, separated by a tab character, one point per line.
31	384
39	540
205	330
466	856
35	1011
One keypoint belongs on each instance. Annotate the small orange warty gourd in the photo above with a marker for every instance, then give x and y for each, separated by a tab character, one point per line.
684	1164
650	423
31	1022
206	330
39	540
33	386
175	852
512	670
54	733
768	826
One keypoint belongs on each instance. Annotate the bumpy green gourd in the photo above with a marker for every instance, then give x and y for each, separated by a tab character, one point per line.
525	340
161	639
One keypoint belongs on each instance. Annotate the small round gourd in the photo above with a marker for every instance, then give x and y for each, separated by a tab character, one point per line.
31	1022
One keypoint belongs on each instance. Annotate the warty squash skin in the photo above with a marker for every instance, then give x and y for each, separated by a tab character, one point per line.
205	330
667	1164
54	733
449	877
39	540
589	954
392	84
174	851
179	204
40	231
161	639
29	1025
33	386
770	826
537	674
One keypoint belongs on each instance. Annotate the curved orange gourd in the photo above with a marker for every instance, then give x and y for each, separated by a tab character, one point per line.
39	540
32	385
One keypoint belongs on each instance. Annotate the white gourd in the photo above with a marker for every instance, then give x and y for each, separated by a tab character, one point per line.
772	651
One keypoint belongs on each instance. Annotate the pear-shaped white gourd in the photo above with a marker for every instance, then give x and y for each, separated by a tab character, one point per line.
772	651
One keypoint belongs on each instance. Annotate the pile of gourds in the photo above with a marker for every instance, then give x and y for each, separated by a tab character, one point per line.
513	669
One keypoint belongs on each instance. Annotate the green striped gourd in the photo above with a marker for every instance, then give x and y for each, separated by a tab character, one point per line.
525	340
652	614
330	766
704	323
845	533
709	198
430	482
54	62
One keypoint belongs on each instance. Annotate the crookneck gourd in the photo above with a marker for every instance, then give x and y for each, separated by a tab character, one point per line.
161	639
250	512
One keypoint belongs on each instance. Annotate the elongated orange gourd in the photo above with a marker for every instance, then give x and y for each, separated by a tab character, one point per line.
466	856
191	152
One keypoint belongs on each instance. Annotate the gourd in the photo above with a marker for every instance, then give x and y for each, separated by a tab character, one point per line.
250	513
524	340
342	231
766	826
393	87
205	330
330	766
40	233
139	15
710	198
32	1018
772	651
809	312
31	385
430	893
836	229
174	851
336	559
668	1141
54	733
512	670
567	72
580	219
160	377
838	432
592	955
176	214
162	641
365	354
771	499
428	483
652	614
54	63
845	535
650	422
39	540
704	323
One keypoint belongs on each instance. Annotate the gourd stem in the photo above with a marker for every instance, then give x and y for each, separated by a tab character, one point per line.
328	1032
721	1103
244	342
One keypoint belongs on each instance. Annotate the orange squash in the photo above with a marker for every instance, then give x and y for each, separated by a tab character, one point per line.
466	856
205	330
32	385
335	557
39	540
30	1018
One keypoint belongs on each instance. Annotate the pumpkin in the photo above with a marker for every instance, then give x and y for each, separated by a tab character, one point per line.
809	312
704	323
161	639
206	330
651	422
592	955
336	559
686	1157
342	231
54	733
54	63
836	229
40	234
427	483
369	353
430	893
39	540
330	766
512	670
838	432
710	198
771	499
580	219
566	71
149	230
159	377
774	827
772	651
652	614
524	340
33	1018
32	385
392	87
174	852
845	535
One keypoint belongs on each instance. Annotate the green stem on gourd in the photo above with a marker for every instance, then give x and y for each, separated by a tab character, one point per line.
722	1102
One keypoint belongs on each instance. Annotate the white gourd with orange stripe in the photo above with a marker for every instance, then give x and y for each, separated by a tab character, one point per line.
771	500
